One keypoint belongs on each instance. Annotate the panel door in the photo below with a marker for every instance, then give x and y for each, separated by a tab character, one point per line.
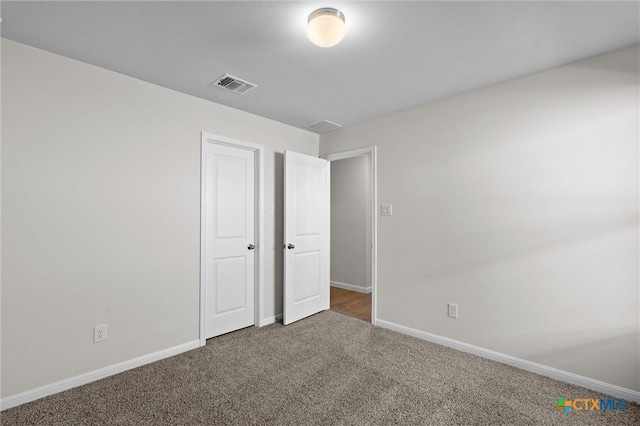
230	237
306	236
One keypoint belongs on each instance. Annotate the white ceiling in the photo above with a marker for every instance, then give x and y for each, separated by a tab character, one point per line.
395	55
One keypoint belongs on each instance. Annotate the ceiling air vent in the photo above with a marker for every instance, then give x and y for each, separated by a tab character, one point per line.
234	84
323	126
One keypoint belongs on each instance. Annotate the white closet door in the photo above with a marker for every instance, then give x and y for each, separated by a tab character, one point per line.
230	238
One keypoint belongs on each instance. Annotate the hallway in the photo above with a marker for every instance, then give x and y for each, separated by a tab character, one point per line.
351	303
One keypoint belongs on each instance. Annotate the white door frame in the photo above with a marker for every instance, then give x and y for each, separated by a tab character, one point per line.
373	150
209	138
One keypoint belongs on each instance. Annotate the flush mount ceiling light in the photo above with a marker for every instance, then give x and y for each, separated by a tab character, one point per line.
325	27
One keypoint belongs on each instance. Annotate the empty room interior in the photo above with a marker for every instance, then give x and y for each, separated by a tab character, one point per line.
280	212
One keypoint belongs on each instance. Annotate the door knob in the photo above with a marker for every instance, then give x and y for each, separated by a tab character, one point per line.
290	246
251	246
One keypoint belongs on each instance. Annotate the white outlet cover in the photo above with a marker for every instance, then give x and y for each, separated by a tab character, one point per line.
452	310
99	333
386	210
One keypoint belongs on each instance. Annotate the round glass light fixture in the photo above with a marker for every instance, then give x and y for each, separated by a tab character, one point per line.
325	27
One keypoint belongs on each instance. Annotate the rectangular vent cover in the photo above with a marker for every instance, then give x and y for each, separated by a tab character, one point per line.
234	84
323	126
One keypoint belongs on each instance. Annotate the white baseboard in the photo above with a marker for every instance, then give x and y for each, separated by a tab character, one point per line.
271	320
543	370
83	379
351	287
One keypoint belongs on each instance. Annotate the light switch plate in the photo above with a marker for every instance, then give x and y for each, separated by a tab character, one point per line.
386	210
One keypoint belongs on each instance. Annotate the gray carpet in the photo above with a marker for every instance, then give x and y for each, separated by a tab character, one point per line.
328	369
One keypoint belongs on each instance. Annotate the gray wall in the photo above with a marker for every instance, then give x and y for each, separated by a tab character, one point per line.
101	213
519	203
351	222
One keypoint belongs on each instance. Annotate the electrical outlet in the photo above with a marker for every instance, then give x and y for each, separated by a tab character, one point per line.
99	333
386	210
453	310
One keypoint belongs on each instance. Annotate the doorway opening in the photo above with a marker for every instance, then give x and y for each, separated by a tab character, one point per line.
353	233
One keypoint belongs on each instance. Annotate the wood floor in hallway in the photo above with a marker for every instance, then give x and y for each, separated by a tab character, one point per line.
351	303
